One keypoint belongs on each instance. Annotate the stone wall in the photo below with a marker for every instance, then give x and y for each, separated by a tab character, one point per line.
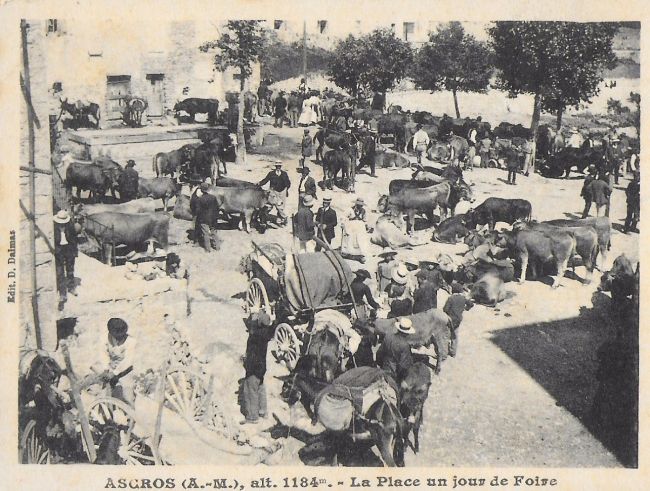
45	294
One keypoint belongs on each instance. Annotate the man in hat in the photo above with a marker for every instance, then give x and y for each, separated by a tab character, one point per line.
633	195
279	184
306	147
116	366
279	109
358	212
293	108
260	332
306	186
385	268
513	161
455	306
585	192
204	207
327	220
420	142
361	291
426	294
575	140
600	192
128	182
303	225
65	253
399	296
394	355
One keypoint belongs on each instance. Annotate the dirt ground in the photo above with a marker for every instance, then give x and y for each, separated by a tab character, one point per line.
518	393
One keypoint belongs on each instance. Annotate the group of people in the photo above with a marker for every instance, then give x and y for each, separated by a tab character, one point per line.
301	107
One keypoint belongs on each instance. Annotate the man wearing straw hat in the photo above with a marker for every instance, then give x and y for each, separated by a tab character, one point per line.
399	295
327	221
385	268
394	355
303	225
65	252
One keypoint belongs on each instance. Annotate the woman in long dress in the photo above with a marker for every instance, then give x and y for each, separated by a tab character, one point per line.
307	114
315	108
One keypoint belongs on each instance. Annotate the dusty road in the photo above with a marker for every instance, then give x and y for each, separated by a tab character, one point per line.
520	389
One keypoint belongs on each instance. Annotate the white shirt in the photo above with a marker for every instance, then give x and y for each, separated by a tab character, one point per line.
420	137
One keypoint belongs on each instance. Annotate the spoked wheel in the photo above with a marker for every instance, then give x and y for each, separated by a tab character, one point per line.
108	414
185	394
256	297
287	345
32	447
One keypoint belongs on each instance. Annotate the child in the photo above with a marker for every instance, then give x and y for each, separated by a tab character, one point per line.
118	361
307	148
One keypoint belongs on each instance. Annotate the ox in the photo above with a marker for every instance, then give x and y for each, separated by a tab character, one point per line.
168	163
494	210
141	205
91	177
158	188
194	106
130	229
601	225
246	203
389	231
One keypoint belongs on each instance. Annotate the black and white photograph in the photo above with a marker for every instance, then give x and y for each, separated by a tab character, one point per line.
326	242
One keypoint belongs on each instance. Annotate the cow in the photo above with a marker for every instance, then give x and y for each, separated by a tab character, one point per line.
158	188
564	160
229	182
417	200
168	163
246	203
470	274
429	177
389	232
112	168
80	113
393	124
439	152
413	393
194	106
488	290
131	229
344	161
458	148
91	177
586	243
450	172
391	159
494	210
452	229
396	185
142	205
601	225
540	247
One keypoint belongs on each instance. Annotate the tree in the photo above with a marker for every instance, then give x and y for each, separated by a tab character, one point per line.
453	60
561	63
240	46
371	63
281	60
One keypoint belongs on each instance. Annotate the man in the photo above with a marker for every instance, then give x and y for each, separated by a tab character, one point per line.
399	295
65	252
575	140
484	151
529	159
279	185
472	135
128	182
513	156
358	212
633	195
327	221
394	355
293	107
426	295
279	109
260	332
204	208
368	152
385	269
306	147
420	142
306	186
262	94
600	195
361	291
303	225
615	158
116	366
585	193
454	307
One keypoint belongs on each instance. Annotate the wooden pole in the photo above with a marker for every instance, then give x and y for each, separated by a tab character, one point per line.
76	397
304	49
160	401
32	186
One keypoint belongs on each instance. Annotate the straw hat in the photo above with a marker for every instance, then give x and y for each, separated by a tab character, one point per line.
62	217
327	198
399	274
308	200
405	326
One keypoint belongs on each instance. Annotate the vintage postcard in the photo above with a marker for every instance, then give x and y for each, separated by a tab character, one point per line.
312	245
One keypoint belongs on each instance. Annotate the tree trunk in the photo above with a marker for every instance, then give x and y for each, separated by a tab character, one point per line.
241	142
534	123
456	104
558	121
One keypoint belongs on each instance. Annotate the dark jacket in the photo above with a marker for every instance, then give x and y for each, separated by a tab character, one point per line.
204	207
128	182
400	307
307	146
256	346
633	193
454	308
586	191
277	182
326	218
280	106
303	224
360	291
600	191
394	355
425	297
68	230
307	185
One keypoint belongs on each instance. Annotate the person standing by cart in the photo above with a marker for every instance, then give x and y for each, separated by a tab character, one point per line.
394	355
327	220
253	398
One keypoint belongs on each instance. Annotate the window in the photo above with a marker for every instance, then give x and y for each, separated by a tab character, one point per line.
409	29
278	24
154	77
52	26
322	26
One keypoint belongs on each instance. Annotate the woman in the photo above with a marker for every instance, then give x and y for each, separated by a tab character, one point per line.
306	114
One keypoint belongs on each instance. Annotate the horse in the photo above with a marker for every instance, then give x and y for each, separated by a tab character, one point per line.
327	350
80	113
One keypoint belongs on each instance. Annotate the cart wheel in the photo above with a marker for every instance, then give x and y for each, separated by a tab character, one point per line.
185	394
108	412
287	345
256	297
32	448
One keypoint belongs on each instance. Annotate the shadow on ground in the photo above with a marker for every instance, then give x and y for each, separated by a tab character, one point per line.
589	367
